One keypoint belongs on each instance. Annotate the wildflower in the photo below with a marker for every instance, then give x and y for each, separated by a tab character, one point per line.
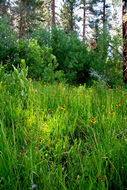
62	108
103	106
118	105
93	120
34	186
112	112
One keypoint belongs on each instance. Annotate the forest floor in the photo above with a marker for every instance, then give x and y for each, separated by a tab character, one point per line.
61	137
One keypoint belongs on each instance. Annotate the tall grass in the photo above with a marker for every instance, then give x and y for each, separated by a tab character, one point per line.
60	137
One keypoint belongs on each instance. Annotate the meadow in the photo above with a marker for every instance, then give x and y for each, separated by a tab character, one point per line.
62	137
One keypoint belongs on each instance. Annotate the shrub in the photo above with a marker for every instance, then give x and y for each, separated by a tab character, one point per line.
37	58
71	53
16	82
72	56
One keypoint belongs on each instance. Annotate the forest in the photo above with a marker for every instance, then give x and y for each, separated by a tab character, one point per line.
63	88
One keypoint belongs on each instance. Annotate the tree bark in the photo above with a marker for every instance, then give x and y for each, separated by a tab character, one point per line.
22	19
104	15
84	19
53	13
124	20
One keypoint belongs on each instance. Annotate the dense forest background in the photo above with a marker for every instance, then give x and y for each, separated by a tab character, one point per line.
78	41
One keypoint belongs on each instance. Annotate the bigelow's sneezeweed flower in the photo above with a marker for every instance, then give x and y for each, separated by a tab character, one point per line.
118	105
93	120
62	108
112	112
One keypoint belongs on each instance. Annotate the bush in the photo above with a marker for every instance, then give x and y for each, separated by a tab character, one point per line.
16	82
72	56
37	58
71	53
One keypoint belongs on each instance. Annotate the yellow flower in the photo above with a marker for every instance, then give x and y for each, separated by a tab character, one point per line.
93	120
112	112
103	106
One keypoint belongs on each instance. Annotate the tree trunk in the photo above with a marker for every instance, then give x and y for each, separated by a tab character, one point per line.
104	15
84	19
71	17
53	13
22	19
125	41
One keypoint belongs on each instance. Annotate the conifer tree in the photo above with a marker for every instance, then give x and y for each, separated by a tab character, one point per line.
68	15
28	14
125	40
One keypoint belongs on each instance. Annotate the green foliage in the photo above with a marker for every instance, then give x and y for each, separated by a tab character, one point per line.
56	55
16	81
72	56
70	52
106	59
42	36
40	60
7	42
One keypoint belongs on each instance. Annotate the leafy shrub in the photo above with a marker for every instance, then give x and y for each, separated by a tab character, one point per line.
16	81
71	54
38	59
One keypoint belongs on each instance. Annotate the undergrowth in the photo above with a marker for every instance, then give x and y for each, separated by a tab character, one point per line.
61	137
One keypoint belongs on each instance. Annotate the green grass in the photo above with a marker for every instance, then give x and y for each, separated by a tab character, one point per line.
61	137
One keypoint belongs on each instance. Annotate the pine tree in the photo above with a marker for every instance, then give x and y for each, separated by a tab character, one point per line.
125	40
68	16
28	14
99	16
